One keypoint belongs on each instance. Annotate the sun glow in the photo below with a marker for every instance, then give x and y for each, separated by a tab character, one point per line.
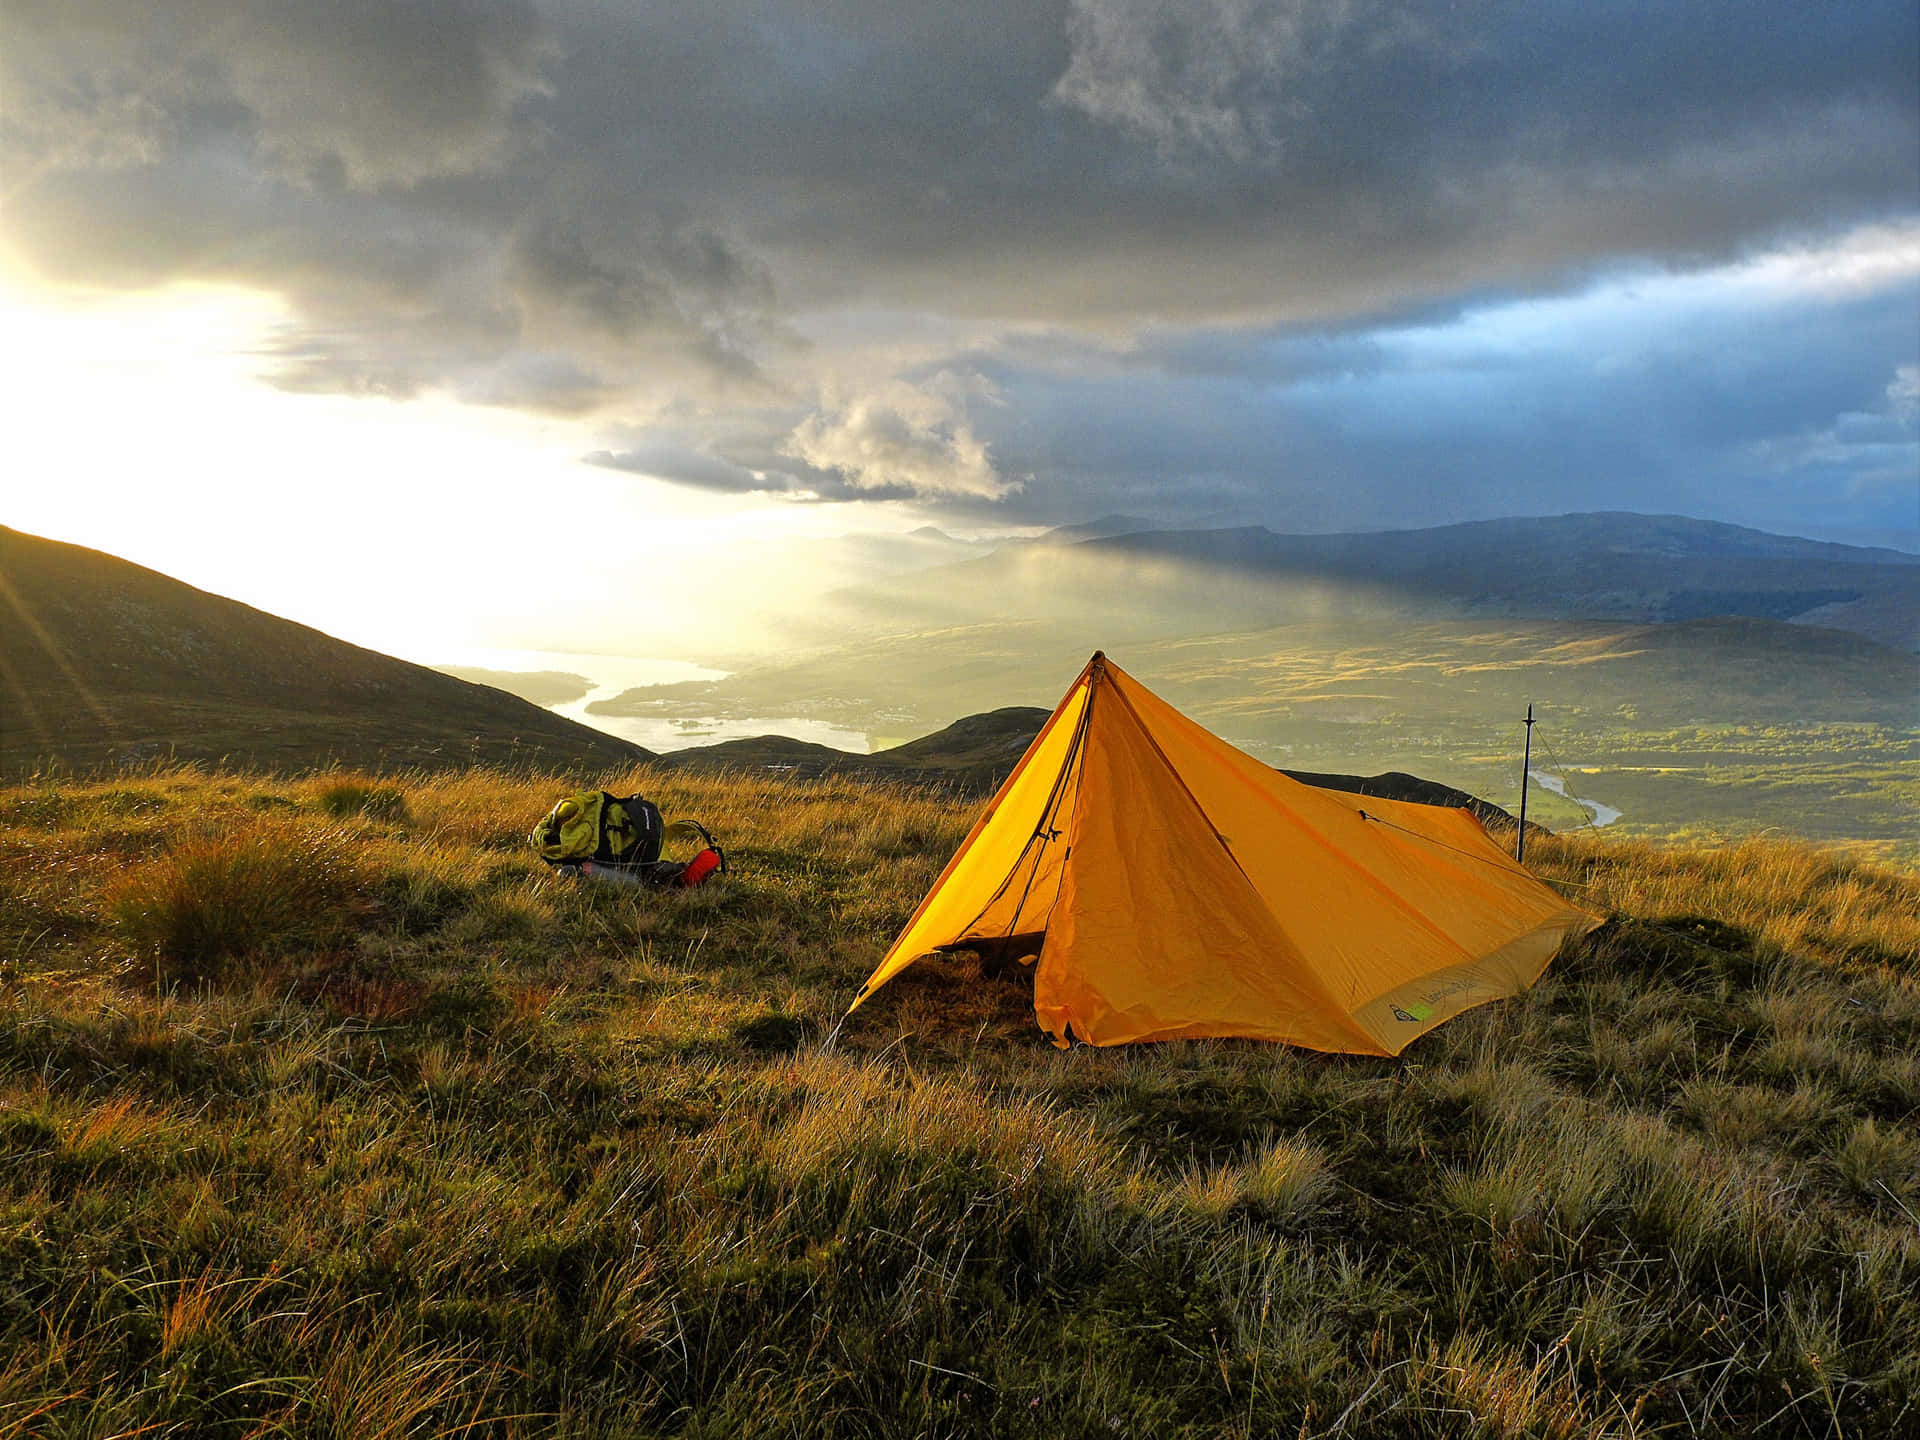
148	427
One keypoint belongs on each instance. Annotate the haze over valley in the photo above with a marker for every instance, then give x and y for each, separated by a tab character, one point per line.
1690	677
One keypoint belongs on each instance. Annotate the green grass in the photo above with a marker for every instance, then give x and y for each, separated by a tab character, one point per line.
446	1145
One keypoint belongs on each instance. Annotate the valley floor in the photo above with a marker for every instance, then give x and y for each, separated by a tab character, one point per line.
1705	731
326	1109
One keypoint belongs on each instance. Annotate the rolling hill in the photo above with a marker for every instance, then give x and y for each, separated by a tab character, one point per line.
975	753
972	755
105	663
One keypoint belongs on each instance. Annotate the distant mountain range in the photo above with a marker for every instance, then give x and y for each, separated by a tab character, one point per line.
104	662
1611	566
1644	607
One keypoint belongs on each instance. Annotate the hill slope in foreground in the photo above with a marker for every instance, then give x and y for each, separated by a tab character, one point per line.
105	662
324	1108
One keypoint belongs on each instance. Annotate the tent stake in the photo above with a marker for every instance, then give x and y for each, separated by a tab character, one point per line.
1526	769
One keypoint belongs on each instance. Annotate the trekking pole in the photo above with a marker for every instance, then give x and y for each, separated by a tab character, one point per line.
1526	766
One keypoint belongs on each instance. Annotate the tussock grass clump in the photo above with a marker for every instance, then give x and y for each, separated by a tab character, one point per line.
217	897
1289	1179
345	799
456	1147
1284	1182
1881	1165
1506	1395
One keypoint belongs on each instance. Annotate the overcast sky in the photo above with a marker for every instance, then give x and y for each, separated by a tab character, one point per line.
1311	263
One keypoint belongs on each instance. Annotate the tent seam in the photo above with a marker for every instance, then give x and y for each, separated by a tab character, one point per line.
1340	1007
1372	881
1041	828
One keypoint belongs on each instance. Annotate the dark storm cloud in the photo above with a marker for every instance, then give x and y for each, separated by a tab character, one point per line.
692	460
634	213
1776	409
665	458
353	91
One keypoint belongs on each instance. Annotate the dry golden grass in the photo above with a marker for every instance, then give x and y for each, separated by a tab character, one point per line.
453	1146
218	894
1789	896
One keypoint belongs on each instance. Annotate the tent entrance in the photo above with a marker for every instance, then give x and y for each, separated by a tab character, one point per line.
1021	905
999	955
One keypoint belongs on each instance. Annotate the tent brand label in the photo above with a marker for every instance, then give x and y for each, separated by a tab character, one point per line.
1415	1015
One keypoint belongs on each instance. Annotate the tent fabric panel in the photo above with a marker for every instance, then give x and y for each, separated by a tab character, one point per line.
1157	933
992	849
1481	894
1402	1016
1294	847
1377	892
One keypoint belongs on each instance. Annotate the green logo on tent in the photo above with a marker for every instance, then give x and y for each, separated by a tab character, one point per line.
1419	1013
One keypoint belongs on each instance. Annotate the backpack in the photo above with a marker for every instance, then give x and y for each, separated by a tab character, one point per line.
595	826
604	837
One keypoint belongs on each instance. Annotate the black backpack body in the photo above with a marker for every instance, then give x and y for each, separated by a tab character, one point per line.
604	828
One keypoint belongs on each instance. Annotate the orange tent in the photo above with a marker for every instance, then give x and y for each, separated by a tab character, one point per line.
1176	886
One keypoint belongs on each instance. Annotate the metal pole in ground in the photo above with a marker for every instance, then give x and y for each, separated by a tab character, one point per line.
1526	769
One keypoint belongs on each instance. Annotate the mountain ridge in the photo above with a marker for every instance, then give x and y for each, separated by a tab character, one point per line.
105	662
1614	566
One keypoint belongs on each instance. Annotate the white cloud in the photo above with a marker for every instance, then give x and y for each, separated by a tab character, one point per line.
898	437
1903	394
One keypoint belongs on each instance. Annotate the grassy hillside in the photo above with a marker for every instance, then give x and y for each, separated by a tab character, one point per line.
324	1109
105	663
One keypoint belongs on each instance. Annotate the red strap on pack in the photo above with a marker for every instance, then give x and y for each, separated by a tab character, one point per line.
699	868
